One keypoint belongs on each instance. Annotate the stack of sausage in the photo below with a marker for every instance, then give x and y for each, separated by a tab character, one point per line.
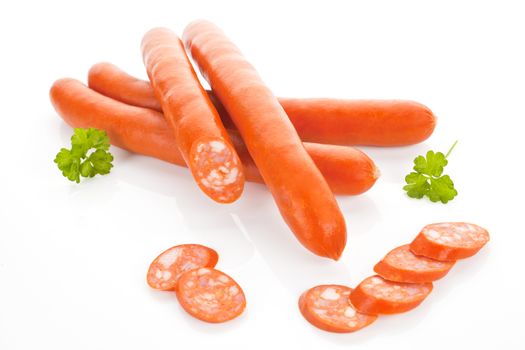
240	130
404	279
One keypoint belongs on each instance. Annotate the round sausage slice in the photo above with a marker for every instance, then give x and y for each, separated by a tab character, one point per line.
401	265
327	307
165	270
210	295
449	241
375	295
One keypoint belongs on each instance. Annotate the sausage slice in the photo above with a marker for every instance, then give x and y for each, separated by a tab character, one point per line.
327	307
210	295
449	241
401	265
375	295
165	270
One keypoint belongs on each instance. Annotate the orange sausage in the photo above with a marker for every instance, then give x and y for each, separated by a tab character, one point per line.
322	120
145	131
449	241
401	265
298	187
327	307
375	295
210	295
201	137
165	270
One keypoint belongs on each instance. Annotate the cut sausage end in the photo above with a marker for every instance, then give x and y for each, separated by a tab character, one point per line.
375	295
327	307
401	265
450	241
164	272
219	171
210	295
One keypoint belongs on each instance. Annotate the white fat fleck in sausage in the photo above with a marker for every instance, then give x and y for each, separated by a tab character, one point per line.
216	146
330	294
169	258
350	312
203	271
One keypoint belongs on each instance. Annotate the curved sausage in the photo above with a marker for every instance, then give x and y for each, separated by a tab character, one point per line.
144	131
449	241
322	120
304	198
165	270
327	307
375	295
210	295
201	137
401	265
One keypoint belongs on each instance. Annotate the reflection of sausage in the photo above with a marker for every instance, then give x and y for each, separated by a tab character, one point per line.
333	121
165	270
449	241
144	131
375	295
210	295
327	307
302	194
201	137
401	265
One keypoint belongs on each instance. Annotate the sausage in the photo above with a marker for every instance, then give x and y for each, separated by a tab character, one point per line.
322	120
347	170
111	81
165	270
375	295
139	130
304	198
327	307
449	241
401	265
144	131
210	295
201	137
360	122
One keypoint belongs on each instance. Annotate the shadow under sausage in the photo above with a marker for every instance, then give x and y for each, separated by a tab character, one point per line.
294	266
209	222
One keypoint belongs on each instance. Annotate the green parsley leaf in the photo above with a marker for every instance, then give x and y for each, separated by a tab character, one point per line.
442	189
76	162
417	185
427	180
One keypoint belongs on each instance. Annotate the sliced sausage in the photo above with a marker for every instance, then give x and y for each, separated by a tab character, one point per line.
375	295
327	307
449	241
401	265
210	295
165	270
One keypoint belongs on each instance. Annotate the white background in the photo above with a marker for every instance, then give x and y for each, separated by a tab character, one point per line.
73	258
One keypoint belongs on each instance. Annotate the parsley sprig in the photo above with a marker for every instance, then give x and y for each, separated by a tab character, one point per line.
77	161
428	179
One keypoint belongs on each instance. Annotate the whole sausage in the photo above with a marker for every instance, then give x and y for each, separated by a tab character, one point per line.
322	120
304	198
449	241
201	137
144	131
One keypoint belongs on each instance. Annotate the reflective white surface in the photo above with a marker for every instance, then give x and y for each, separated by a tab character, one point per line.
73	258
